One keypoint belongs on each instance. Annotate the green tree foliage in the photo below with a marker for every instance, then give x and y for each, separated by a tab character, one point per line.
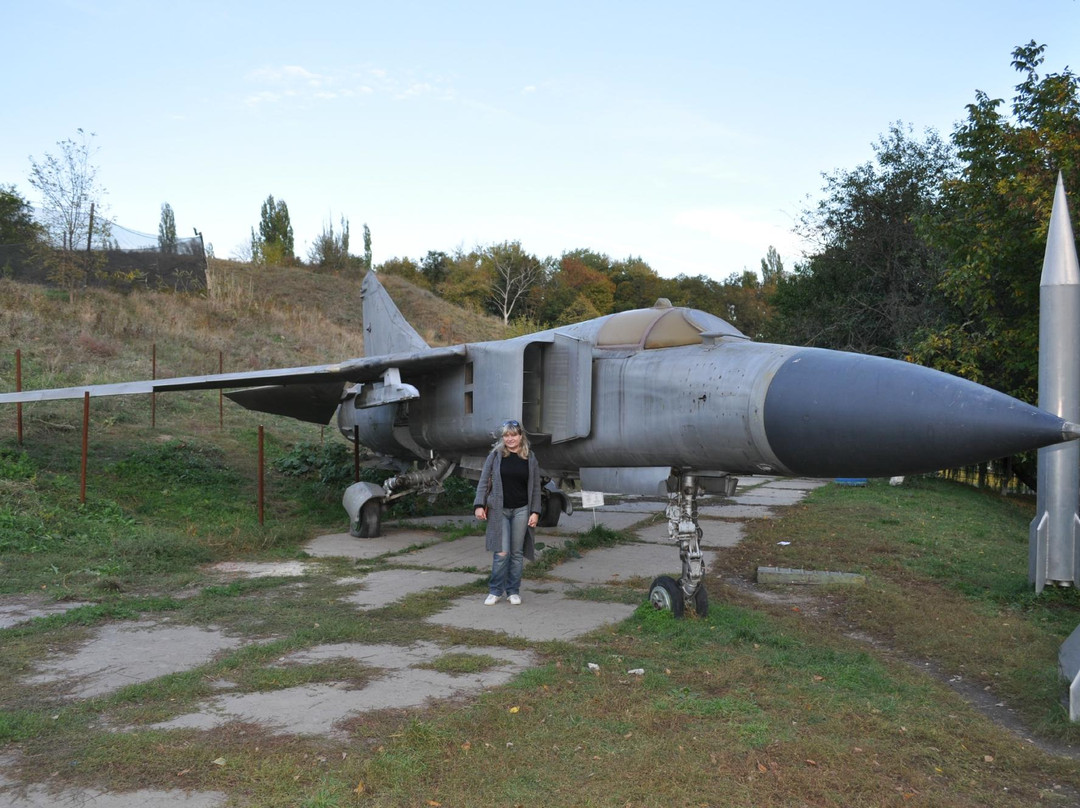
435	267
746	298
579	287
467	281
167	229
367	248
772	267
993	222
870	285
274	243
330	250
68	186
637	286
17	225
402	267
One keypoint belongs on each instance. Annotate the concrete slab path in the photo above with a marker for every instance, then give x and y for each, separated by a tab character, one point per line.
121	654
544	614
317	709
344	545
401	675
385	587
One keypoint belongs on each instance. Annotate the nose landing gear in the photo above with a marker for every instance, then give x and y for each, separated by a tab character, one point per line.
682	514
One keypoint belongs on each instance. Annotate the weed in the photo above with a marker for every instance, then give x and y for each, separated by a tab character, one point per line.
461	663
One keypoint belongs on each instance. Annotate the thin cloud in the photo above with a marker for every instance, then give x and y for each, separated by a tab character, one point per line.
301	84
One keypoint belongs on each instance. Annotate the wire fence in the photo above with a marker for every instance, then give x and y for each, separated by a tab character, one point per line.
117	257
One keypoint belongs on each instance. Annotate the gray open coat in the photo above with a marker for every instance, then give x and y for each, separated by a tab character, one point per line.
489	494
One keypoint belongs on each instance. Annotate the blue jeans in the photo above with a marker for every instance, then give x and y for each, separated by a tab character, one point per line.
506	566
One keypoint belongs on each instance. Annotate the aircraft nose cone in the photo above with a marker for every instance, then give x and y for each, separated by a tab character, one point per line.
835	414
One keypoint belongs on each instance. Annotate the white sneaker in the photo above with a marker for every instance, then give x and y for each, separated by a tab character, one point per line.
491	600
515	600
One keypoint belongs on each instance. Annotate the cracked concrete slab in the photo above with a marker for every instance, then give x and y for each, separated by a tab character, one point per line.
317	709
544	614
464	553
389	586
717	533
122	654
344	545
768	495
40	796
260	569
615	564
736	512
16	609
582	520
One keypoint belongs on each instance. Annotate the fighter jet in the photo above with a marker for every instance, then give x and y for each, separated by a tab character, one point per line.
665	400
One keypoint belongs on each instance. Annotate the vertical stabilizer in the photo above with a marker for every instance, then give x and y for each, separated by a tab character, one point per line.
386	330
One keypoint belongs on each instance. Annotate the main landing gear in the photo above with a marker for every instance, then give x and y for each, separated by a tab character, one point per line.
682	514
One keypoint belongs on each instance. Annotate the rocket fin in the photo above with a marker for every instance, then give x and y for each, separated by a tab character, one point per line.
1038	548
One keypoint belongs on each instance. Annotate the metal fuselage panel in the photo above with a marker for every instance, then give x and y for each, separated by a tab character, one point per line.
692	406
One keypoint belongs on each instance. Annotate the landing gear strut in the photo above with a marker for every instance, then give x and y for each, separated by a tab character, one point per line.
665	592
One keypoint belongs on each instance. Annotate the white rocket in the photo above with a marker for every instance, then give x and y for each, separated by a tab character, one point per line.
1054	548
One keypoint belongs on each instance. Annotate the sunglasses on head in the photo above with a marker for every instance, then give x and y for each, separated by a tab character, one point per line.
511	424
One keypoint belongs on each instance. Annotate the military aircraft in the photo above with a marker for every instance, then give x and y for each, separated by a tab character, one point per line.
664	400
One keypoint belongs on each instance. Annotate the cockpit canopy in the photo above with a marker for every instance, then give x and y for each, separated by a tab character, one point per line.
662	326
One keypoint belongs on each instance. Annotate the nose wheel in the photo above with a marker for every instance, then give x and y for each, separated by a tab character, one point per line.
666	594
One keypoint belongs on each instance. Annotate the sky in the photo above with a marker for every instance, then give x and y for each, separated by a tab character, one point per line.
688	134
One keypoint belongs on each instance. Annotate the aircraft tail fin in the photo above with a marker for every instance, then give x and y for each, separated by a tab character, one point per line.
386	330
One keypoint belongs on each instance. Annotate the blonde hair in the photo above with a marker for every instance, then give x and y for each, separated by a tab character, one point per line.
509	428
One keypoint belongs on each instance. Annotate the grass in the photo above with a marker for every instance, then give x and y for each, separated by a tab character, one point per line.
947	566
764	702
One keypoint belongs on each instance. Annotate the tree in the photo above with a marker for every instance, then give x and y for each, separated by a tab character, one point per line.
993	223
772	268
402	267
331	250
871	284
367	248
468	280
167	229
514	273
68	186
637	286
274	243
435	266
17	224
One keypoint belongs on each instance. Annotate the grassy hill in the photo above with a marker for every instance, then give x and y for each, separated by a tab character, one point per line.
256	316
189	476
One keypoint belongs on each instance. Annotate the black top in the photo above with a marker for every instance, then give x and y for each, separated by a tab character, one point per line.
514	471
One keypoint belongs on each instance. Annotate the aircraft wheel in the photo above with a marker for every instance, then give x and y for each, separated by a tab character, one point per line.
701	601
370	521
665	593
550	508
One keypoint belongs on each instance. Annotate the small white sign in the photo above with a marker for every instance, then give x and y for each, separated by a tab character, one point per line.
592	499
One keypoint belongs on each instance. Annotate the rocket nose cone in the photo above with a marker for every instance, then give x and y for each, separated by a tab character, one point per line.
835	414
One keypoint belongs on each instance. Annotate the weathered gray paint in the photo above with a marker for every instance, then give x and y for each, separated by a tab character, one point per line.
1053	542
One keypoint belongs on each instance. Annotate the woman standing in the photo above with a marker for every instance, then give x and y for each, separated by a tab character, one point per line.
508	498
